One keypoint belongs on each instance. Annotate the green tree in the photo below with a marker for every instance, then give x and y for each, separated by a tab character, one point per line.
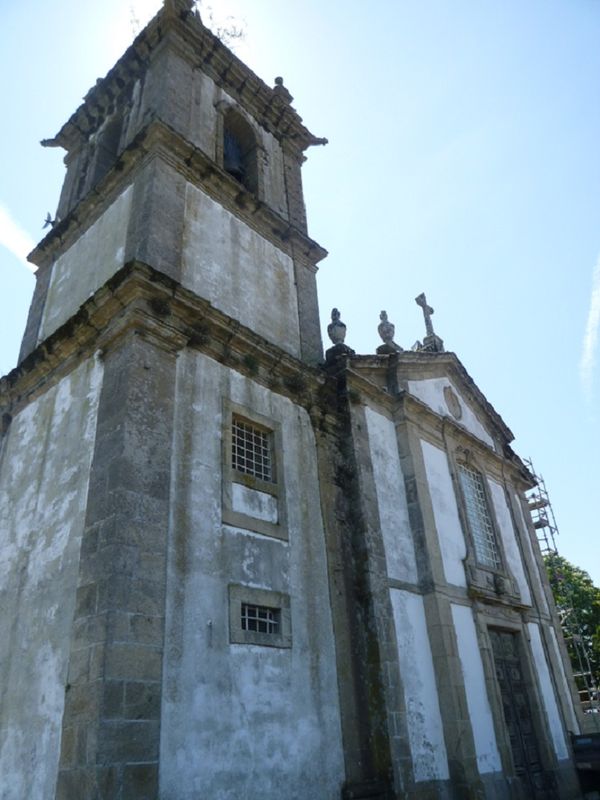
578	604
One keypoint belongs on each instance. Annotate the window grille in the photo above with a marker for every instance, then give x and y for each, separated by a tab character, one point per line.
260	619
251	450
478	517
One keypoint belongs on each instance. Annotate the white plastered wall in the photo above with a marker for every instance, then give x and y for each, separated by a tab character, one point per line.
547	692
511	546
87	265
573	722
445	511
480	713
239	272
44	473
424	720
541	577
431	392
243	720
391	498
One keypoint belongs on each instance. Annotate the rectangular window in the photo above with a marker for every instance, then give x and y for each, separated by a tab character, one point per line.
253	479
479	518
251	450
261	619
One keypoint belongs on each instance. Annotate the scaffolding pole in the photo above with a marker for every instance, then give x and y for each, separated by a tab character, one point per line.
544	522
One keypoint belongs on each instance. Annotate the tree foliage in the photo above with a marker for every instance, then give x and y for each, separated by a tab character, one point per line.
578	604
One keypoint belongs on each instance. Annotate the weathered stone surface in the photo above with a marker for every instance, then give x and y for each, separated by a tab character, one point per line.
134	554
44	473
123	572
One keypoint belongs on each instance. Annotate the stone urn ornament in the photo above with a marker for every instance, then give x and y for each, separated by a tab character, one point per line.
336	330
386	330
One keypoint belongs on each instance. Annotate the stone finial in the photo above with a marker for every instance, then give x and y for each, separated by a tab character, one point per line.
336	330
279	90
386	330
178	8
431	343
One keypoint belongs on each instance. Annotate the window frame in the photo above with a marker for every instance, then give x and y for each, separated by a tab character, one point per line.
240	595
479	542
229	118
232	477
491	582
247	476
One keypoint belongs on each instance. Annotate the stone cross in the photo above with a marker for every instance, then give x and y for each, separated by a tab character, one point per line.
421	300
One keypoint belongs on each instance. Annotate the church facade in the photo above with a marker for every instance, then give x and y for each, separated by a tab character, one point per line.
234	567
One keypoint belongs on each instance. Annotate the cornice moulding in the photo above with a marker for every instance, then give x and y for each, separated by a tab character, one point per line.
142	300
158	140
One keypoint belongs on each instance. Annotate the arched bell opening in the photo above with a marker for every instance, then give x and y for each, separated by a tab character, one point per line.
240	151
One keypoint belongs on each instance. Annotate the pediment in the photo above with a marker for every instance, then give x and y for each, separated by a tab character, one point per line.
440	381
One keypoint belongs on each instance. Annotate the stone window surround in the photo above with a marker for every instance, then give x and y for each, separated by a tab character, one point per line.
509	622
276	489
477	509
223	108
495	580
239	594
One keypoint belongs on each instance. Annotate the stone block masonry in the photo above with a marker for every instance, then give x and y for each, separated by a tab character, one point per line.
111	723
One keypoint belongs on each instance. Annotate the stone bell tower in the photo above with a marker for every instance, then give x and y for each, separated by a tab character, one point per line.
179	111
151	567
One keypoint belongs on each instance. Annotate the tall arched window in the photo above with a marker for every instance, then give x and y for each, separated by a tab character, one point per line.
240	151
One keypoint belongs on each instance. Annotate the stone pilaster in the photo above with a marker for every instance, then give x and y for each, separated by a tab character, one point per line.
305	275
157	218
36	311
110	733
292	163
460	746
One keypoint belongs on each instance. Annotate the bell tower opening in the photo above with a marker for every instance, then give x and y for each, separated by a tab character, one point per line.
240	151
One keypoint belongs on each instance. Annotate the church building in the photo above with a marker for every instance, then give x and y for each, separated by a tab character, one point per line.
235	566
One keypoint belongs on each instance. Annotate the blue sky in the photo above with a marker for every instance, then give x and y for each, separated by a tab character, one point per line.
463	161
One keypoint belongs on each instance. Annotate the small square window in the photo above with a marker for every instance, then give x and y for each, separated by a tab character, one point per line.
251	450
479	518
261	619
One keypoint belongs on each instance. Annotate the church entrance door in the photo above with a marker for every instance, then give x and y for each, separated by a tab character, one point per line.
517	716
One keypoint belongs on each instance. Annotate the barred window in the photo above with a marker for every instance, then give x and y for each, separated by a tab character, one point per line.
260	619
479	518
251	450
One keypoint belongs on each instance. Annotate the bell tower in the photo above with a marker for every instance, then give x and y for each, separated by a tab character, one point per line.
160	525
177	150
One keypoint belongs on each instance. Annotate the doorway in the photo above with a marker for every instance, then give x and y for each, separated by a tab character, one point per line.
517	716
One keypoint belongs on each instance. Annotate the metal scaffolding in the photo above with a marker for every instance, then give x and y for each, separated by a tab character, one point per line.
544	522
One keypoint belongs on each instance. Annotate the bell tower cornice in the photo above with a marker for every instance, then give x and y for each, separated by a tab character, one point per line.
157	140
184	32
